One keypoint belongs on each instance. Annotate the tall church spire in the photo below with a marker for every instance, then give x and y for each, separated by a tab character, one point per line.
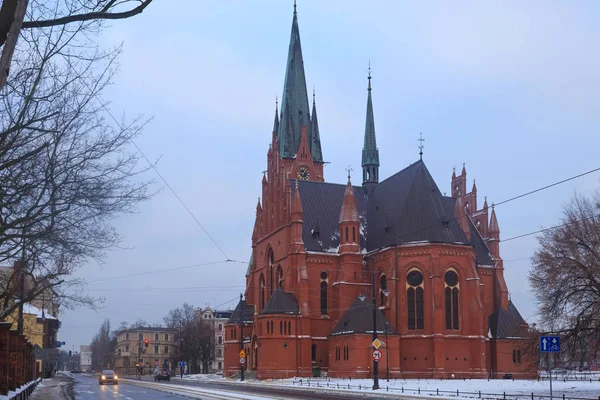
294	102
315	144
370	153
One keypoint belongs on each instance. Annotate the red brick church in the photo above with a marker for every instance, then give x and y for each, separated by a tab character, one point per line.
442	305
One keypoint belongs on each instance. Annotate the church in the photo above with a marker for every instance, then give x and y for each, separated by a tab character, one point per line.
333	263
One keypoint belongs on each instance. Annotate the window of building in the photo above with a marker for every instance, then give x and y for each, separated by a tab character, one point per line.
127	336
382	288
346	234
261	285
219	353
271	262
220	340
156	337
313	352
166	350
414	297
324	281
516	356
346	353
337	353
155	349
279	276
166	337
220	327
451	297
290	327
140	336
220	365
353	234
280	327
126	347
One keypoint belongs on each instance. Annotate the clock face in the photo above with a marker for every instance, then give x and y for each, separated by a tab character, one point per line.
303	173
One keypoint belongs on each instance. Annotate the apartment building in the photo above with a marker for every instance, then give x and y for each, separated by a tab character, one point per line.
131	348
218	318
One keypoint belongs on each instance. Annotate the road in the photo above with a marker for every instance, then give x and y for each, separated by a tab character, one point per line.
87	388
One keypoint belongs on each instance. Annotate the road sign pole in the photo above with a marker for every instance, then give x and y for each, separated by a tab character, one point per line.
375	362
550	371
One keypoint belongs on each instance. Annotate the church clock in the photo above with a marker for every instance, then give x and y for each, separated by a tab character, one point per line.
303	173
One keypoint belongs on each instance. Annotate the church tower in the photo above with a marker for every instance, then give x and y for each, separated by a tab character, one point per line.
370	153
298	130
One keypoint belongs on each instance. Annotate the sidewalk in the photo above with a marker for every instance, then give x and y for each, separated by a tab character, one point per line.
58	388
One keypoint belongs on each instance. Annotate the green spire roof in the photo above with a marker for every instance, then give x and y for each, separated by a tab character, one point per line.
315	145
294	102
276	121
370	154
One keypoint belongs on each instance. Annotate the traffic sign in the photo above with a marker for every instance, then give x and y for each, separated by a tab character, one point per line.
242	354
550	344
377	343
242	360
181	363
376	355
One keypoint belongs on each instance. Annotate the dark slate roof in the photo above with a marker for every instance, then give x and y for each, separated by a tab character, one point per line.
506	324
408	207
281	303
242	311
322	202
482	252
359	319
223	314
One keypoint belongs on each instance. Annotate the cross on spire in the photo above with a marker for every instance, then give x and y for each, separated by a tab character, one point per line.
369	76
421	146
349	169
265	172
294	6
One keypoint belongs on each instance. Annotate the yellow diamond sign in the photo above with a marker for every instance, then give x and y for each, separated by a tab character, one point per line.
242	354
377	343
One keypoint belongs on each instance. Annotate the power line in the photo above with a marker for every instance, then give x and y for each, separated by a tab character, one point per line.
167	184
166	270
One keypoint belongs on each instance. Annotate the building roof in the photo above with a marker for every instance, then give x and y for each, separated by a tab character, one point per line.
223	314
507	324
359	319
242	311
482	252
29	309
281	302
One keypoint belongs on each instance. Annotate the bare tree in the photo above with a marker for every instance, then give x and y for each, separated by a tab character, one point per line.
566	276
196	337
16	15
103	347
66	170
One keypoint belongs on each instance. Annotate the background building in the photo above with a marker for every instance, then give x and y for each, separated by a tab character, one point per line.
85	357
219	319
131	347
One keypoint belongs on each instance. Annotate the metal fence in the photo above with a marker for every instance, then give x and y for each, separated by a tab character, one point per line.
437	392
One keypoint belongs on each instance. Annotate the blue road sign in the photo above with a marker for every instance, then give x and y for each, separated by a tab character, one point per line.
181	363
63	343
58	344
550	344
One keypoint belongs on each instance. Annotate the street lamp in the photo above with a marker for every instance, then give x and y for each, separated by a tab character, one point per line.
375	362
241	338
387	358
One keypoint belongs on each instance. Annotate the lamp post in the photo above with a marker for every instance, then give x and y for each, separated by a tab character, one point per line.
387	358
241	338
375	362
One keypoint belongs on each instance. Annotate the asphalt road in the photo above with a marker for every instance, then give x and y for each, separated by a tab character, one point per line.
87	388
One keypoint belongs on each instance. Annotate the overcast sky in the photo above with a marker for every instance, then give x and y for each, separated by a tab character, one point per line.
510	89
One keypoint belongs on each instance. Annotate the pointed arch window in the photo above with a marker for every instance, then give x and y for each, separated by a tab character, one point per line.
347	235
382	288
451	296
271	262
261	286
324	289
353	234
415	297
279	276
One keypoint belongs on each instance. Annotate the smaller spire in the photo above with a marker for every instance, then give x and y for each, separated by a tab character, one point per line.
258	207
494	228
453	172
485	204
349	212
464	170
474	190
296	201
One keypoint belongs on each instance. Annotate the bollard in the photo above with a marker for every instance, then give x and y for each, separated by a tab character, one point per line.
457	393
387	389
504	395
531	396
348	386
480	394
359	387
563	396
419	390
437	392
403	390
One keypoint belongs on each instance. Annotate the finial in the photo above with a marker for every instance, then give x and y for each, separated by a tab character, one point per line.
493	205
369	75
421	146
313	95
276	102
240	297
349	169
294	6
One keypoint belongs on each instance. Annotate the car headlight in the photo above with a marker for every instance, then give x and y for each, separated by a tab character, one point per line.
103	377
116	377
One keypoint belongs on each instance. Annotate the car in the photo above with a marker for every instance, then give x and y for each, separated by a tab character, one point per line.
108	376
162	376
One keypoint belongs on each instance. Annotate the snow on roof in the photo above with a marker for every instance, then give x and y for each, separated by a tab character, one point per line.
29	309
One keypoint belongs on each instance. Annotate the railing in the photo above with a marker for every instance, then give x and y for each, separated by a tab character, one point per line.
437	392
24	391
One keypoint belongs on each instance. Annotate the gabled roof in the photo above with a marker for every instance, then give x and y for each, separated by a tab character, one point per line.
242	312
482	252
409	207
321	205
359	319
507	324
281	302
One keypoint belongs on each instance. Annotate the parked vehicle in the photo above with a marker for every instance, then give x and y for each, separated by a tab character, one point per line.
162	376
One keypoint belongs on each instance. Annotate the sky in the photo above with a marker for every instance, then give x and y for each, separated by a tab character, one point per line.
509	88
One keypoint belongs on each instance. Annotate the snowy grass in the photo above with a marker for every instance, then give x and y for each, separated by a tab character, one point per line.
447	388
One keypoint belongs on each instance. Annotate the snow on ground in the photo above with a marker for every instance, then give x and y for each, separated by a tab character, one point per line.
467	389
